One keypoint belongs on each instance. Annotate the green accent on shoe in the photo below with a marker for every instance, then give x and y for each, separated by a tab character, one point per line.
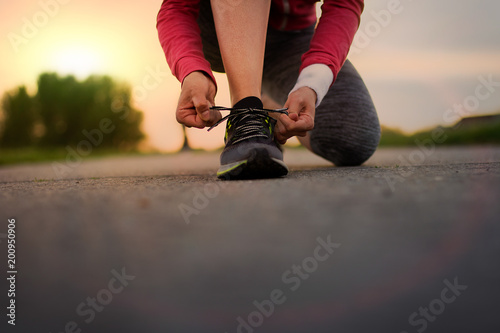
259	165
224	169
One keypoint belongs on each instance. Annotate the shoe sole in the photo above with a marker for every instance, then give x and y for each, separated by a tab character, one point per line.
258	166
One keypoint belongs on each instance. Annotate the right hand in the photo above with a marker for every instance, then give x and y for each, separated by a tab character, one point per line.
301	106
197	96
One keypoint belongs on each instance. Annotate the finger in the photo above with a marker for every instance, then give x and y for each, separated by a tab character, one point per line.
299	128
277	131
293	108
281	134
287	123
193	121
204	112
280	137
294	116
202	106
282	142
190	118
215	116
303	123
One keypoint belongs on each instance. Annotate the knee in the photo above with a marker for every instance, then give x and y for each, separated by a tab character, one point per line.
343	150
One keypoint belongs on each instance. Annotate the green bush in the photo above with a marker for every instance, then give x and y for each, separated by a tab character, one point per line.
65	109
456	135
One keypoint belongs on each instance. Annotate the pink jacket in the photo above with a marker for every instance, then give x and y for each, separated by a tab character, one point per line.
180	35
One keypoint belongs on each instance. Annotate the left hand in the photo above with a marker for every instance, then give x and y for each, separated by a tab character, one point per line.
301	106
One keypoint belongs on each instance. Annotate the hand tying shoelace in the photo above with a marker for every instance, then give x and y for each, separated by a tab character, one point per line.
250	119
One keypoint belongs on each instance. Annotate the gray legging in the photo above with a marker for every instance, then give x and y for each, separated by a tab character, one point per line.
346	127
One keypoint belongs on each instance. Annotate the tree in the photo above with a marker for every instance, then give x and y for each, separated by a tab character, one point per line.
64	111
18	119
185	144
68	108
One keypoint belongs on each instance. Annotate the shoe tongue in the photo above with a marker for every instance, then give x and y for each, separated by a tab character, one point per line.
249	102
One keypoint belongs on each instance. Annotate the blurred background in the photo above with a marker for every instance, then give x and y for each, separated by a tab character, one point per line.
422	61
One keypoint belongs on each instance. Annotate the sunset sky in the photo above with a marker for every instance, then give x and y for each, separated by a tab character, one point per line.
417	63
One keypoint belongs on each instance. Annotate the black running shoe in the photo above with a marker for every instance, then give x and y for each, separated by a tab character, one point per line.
251	151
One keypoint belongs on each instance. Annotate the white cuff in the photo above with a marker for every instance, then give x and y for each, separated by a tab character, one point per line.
318	77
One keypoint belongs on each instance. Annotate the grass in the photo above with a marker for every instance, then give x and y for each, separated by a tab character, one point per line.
29	155
479	134
34	155
394	137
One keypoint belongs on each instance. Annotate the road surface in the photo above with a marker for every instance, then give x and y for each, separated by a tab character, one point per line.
409	242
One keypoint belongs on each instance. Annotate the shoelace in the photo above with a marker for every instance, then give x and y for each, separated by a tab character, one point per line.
250	128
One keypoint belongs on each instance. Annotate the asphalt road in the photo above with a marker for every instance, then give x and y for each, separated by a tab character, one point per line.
409	242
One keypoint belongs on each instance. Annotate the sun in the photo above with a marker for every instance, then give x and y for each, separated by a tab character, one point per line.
78	60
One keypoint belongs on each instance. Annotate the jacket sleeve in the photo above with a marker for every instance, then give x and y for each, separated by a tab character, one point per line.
334	34
180	39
